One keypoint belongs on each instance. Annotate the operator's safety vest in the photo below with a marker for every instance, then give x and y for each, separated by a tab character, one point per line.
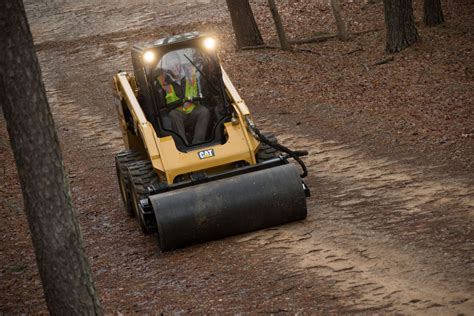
190	92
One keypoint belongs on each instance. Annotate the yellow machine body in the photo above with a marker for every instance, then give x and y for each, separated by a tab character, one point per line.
166	159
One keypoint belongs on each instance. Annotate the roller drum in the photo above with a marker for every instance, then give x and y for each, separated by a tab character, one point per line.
229	206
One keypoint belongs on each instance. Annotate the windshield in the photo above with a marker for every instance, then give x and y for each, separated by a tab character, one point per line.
188	94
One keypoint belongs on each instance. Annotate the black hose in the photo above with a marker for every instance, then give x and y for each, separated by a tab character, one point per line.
293	154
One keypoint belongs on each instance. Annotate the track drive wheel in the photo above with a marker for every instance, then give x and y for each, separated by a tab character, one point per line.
266	152
122	160
141	176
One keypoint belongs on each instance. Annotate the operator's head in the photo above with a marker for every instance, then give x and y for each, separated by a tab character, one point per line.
173	64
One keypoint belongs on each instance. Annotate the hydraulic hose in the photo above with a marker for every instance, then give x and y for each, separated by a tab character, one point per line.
295	154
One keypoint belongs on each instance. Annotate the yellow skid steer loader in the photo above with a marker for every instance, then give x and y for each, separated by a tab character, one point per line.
195	167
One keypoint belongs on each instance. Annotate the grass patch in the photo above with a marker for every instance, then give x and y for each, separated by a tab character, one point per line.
17	268
4	143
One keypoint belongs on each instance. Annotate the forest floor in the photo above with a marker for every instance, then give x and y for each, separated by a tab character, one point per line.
389	227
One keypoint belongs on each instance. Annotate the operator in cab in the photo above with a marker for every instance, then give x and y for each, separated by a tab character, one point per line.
180	86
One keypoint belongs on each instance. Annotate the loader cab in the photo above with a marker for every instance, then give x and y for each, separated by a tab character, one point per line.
182	73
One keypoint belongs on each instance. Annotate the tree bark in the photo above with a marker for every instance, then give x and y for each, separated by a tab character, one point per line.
432	12
55	232
341	26
400	23
278	25
245	28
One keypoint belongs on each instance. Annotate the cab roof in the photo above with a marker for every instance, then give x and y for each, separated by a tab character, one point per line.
174	39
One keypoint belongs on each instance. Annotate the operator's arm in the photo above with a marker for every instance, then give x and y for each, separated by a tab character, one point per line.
161	85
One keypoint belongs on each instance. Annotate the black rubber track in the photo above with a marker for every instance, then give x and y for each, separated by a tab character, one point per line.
122	160
267	152
141	176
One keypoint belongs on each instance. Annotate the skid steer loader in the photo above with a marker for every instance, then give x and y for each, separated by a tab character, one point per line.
195	167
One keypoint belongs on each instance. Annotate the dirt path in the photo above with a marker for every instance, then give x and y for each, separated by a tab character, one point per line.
385	233
379	228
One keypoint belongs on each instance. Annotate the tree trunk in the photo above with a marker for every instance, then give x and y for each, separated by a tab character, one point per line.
401	29
57	240
279	26
341	26
433	12
245	28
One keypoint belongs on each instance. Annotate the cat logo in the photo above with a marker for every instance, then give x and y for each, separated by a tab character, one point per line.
208	153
